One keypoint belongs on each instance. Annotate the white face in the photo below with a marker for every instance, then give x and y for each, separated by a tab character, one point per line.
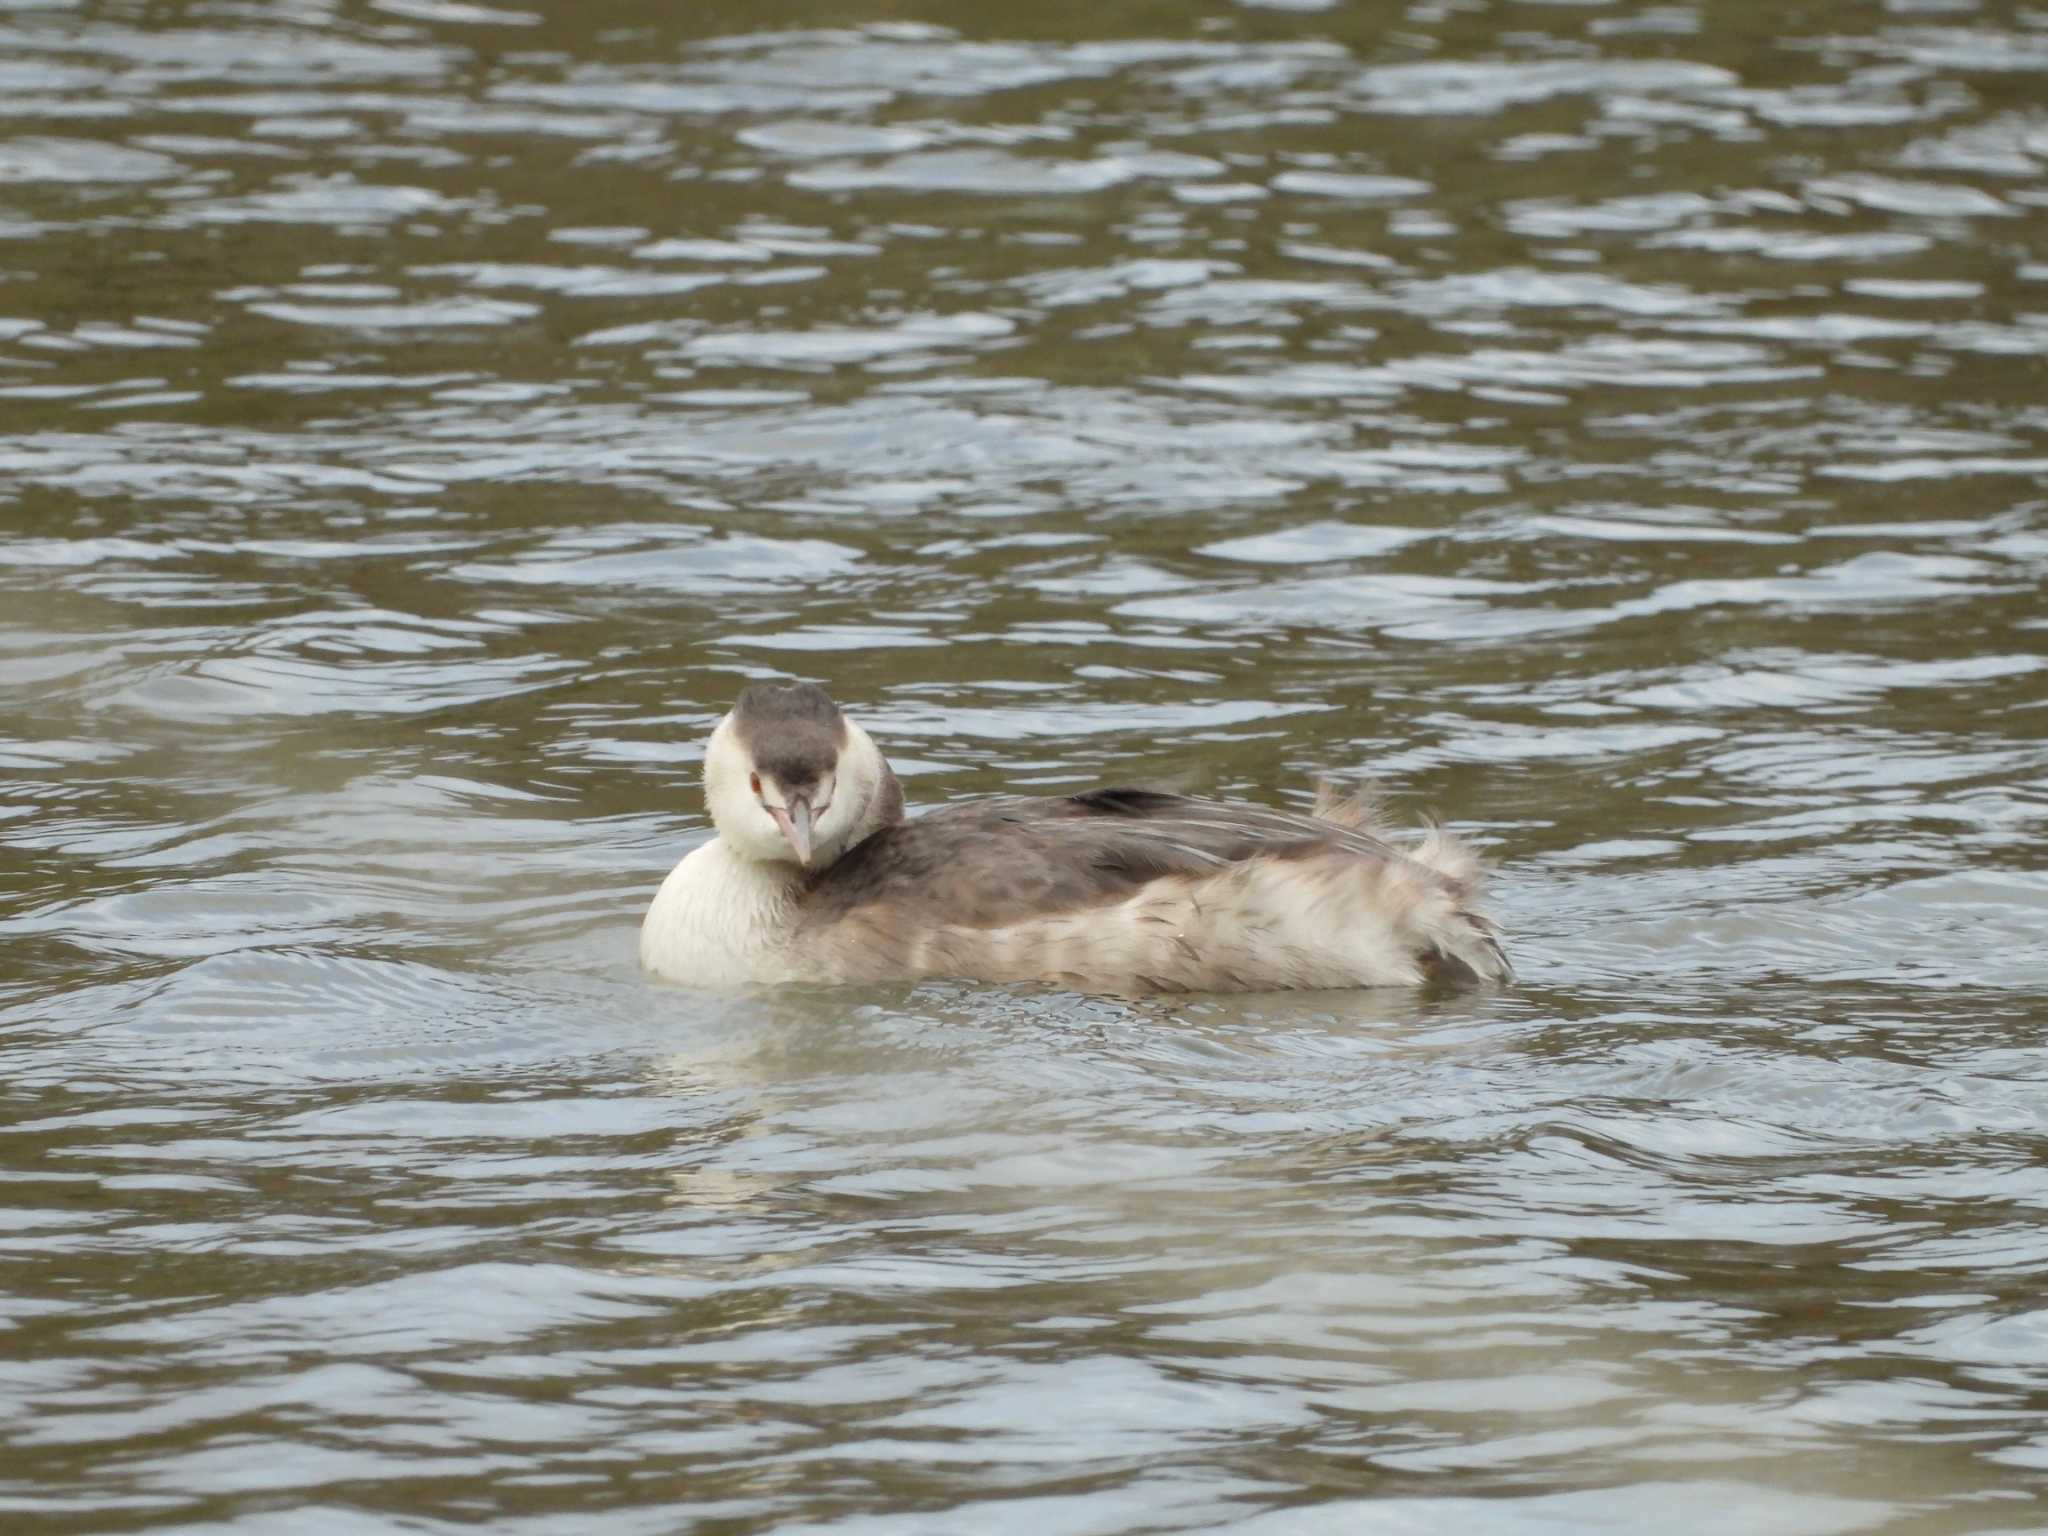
760	820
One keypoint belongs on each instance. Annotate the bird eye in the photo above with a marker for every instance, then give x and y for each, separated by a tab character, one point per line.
755	780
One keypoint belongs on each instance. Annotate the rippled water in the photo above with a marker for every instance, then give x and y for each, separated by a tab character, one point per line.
1620	426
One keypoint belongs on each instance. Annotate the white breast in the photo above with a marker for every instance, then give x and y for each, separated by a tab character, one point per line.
720	920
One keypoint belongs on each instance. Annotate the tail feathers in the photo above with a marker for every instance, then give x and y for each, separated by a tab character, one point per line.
1357	810
1453	941
1468	941
1468	954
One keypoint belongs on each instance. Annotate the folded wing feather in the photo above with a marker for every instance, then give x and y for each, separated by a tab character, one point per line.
1175	893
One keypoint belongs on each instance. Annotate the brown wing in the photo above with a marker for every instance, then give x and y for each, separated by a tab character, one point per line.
987	863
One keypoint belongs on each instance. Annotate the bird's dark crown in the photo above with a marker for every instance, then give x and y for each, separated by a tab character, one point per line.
794	734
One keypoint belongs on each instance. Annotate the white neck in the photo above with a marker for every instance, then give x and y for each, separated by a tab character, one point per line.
723	916
719	919
873	799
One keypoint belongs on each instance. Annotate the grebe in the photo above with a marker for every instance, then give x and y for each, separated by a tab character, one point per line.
816	876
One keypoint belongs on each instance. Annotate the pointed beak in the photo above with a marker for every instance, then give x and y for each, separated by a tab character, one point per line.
796	827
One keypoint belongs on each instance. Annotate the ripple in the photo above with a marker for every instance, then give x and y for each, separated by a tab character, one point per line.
585	282
1731	1508
81	160
1465	87
803	138
1416	606
972	170
421	418
1351	187
1933	200
829	346
1312	543
670	560
388	317
326	200
1803	681
232	687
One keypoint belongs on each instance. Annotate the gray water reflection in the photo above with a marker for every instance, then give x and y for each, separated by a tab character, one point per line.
1620	427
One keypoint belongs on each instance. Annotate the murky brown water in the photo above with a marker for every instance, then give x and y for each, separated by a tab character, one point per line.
1621	426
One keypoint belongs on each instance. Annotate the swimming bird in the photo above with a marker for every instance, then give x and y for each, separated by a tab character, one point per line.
817	876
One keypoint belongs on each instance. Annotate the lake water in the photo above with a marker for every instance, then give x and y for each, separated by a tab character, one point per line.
1622	428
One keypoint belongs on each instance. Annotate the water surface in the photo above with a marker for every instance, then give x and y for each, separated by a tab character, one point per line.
1618	427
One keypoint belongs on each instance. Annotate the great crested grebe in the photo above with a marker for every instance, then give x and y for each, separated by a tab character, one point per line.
816	876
